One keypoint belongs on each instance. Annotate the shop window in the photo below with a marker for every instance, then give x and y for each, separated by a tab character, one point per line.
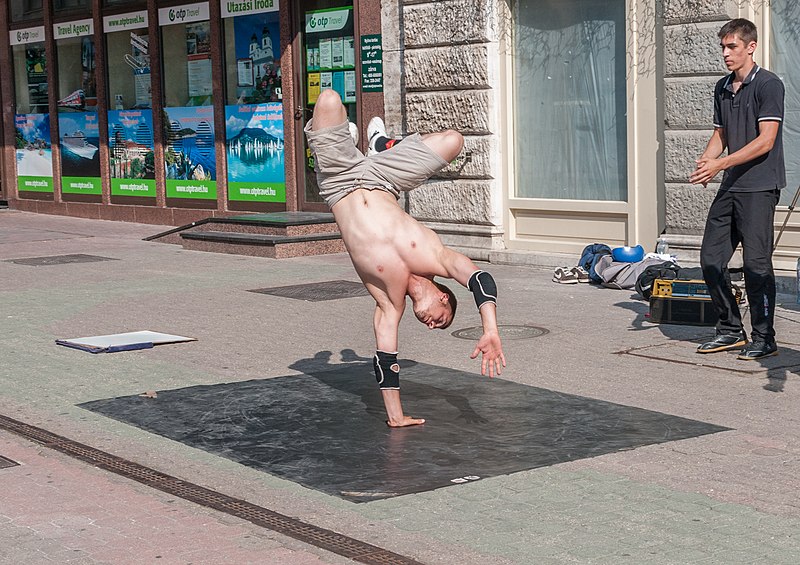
570	99
254	111
329	63
784	51
31	120
77	108
65	6
190	156
130	119
21	10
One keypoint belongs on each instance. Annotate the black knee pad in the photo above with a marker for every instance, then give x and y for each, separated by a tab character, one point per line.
387	371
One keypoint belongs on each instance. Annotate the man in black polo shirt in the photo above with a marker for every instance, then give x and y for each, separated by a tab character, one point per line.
748	121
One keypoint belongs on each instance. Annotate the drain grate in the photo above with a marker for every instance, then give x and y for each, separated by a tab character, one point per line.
507	333
5	463
59	260
322	538
317	292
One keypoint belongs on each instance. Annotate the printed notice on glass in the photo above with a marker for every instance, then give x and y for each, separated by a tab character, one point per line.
349	53
325	54
349	86
337	52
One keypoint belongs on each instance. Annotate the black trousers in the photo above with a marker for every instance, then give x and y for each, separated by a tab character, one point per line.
747	218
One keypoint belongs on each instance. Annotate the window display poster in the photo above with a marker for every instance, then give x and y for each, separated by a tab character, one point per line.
190	159
80	158
255	151
198	59
34	154
36	70
130	149
257	40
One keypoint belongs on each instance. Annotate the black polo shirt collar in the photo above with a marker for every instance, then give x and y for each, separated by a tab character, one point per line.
747	80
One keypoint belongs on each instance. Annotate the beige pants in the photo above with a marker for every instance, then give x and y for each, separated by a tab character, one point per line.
341	168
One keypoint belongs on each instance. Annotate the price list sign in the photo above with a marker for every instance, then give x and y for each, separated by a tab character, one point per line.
371	63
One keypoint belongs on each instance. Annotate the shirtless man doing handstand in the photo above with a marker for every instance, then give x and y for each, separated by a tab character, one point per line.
395	255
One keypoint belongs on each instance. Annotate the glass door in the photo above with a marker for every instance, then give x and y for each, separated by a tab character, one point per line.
327	52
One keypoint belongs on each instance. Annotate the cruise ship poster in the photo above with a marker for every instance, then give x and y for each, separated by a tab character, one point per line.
190	159
254	143
34	154
130	150
80	156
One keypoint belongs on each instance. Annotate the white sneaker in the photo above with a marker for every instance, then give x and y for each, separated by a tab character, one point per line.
375	129
353	132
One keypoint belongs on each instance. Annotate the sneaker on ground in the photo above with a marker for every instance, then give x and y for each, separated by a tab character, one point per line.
581	274
353	132
757	350
375	130
564	275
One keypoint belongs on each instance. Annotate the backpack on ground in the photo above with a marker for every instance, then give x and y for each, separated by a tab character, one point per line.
622	275
590	255
665	270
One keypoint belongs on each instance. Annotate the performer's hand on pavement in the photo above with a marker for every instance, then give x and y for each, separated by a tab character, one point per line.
493	359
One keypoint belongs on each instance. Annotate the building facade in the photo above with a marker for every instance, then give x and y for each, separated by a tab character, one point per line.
582	118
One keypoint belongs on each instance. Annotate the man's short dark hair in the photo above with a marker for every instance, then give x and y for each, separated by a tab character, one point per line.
744	29
451	300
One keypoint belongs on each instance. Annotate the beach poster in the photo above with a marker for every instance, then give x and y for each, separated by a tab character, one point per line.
34	153
254	146
190	159
80	157
130	150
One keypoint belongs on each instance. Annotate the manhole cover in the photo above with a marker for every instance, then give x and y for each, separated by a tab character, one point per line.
506	332
59	260
5	463
316	292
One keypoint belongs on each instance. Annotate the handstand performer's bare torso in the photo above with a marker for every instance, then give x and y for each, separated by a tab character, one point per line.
394	255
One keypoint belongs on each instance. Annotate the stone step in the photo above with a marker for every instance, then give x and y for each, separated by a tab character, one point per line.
263	245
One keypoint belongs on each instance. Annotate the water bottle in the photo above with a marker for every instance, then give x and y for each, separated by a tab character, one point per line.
798	281
662	248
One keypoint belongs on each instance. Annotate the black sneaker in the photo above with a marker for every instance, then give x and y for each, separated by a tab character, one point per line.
758	350
724	342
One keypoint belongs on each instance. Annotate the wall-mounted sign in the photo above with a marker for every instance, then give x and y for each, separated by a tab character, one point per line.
27	35
183	14
77	28
241	7
122	22
321	21
371	63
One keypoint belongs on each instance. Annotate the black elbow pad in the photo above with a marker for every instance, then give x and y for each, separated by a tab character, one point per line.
483	288
387	371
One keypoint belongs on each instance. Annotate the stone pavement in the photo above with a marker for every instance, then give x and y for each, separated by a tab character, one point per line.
729	497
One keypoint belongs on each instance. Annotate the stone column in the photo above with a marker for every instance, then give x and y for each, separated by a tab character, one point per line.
441	72
692	66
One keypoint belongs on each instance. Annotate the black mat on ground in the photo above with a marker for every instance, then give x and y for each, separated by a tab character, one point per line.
59	260
5	463
325	428
316	292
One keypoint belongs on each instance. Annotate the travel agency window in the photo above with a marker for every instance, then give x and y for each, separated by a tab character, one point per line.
329	52
76	93
189	154
130	117
23	10
254	133
31	115
570	100
784	52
